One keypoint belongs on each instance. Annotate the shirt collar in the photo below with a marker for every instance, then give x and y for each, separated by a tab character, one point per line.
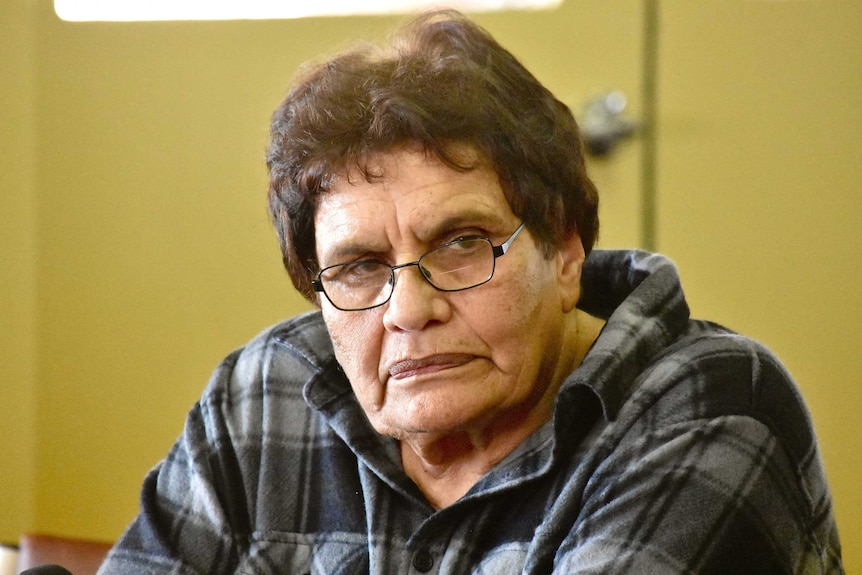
640	297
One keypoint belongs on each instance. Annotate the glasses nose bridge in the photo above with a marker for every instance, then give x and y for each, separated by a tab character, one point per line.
416	263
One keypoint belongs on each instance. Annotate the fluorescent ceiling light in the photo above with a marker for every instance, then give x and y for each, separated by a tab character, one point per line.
143	10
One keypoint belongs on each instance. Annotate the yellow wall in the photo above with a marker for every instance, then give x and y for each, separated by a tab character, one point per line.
139	251
17	271
760	197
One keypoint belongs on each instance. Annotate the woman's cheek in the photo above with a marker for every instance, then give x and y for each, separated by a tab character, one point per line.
357	347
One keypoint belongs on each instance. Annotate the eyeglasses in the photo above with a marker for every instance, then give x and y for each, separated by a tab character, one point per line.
454	266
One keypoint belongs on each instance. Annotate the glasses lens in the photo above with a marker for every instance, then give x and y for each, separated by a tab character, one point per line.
357	285
459	265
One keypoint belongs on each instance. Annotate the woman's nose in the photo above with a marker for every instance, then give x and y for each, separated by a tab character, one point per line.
414	303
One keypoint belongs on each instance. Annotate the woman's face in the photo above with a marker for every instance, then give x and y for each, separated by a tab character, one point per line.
443	362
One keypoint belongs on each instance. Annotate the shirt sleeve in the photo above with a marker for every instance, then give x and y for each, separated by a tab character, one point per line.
700	497
717	471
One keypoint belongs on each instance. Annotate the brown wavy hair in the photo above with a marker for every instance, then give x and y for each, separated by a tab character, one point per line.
442	80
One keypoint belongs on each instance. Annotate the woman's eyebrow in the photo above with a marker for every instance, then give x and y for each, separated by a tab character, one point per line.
471	218
347	251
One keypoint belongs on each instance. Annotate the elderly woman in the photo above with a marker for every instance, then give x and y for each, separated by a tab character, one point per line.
479	392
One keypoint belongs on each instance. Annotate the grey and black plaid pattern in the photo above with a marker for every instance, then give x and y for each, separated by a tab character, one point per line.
676	447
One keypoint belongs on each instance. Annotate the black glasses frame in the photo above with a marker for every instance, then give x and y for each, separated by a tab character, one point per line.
497	251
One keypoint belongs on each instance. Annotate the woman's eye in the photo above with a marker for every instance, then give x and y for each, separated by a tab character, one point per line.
465	247
465	236
468	238
467	242
360	272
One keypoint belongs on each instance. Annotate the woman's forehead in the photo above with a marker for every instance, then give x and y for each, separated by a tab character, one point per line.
418	200
410	180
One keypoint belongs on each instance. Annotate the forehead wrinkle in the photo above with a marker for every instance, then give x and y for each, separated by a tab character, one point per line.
428	232
469	217
348	242
348	209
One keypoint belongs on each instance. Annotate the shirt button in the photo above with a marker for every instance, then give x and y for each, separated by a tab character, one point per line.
423	561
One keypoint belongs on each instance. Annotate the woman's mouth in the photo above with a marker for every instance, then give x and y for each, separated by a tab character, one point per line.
413	367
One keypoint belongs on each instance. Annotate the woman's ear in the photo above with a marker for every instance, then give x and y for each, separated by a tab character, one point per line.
570	262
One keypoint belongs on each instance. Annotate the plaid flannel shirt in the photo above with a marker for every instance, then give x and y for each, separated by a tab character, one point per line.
677	446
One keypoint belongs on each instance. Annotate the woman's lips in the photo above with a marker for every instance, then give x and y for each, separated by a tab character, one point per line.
412	367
